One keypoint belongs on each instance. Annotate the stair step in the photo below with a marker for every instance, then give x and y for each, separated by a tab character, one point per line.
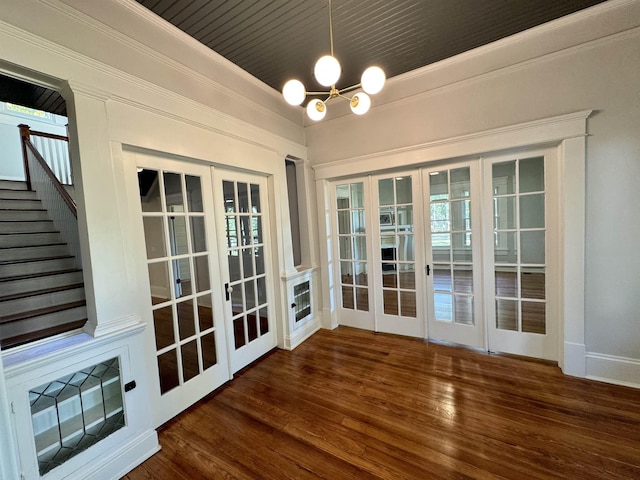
60	319
27	227
28	239
31	293
26	269
23	215
42	311
10	288
18	254
20	204
17	195
12	185
41	301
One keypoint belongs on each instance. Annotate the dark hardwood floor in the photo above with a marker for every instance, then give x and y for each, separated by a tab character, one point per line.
351	404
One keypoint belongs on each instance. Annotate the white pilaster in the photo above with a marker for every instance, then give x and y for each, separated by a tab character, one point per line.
572	177
98	178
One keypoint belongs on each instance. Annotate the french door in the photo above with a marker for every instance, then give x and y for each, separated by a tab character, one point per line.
464	252
189	332
245	263
351	250
454	283
397	255
376	233
521	256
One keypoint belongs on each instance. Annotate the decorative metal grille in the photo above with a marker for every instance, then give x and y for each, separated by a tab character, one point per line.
302	300
76	411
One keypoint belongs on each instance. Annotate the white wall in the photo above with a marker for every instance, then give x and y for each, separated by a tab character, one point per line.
542	73
177	99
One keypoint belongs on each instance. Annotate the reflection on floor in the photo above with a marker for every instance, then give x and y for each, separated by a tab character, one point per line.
353	404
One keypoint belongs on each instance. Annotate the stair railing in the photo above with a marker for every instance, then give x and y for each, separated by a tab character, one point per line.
55	198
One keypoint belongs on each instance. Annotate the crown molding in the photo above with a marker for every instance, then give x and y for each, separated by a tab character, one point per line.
179	36
218	117
545	130
74	87
531	34
135	9
495	59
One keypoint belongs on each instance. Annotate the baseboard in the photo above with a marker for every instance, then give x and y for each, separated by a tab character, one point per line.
613	369
303	333
125	459
573	360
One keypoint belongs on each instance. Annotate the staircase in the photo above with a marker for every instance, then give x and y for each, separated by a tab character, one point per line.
41	289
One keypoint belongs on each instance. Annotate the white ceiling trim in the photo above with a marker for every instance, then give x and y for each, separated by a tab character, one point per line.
236	128
538	132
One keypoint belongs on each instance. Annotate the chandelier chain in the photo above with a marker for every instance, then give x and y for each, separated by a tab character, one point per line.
330	28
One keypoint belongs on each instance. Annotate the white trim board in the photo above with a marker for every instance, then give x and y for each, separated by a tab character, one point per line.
121	461
301	334
530	134
613	369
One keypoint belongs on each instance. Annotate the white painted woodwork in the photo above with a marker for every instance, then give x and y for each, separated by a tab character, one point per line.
473	335
240	357
547	345
135	84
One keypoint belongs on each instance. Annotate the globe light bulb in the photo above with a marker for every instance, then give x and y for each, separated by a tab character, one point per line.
372	80
360	103
327	71
316	109
294	92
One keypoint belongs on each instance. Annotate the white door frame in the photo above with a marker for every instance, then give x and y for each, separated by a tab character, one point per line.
249	352
565	132
167	405
535	345
388	323
352	317
470	335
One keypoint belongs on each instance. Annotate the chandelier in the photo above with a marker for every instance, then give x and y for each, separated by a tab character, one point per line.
327	72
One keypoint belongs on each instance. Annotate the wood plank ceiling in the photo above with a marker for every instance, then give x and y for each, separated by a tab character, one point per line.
275	40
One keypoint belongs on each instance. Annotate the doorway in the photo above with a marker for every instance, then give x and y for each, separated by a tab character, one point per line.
206	233
464	252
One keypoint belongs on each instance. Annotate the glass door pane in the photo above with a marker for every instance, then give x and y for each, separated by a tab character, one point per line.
453	254
397	252
178	266
245	229
521	256
352	246
399	277
519	232
185	303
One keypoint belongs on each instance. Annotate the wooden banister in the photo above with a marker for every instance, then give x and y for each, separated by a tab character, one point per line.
25	133
49	135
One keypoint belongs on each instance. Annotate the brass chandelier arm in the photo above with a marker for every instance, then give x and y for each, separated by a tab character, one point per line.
352	87
327	71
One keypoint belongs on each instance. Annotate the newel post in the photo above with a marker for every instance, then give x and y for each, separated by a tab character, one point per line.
25	136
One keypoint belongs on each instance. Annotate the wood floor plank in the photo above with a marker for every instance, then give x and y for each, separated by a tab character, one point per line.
352	404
